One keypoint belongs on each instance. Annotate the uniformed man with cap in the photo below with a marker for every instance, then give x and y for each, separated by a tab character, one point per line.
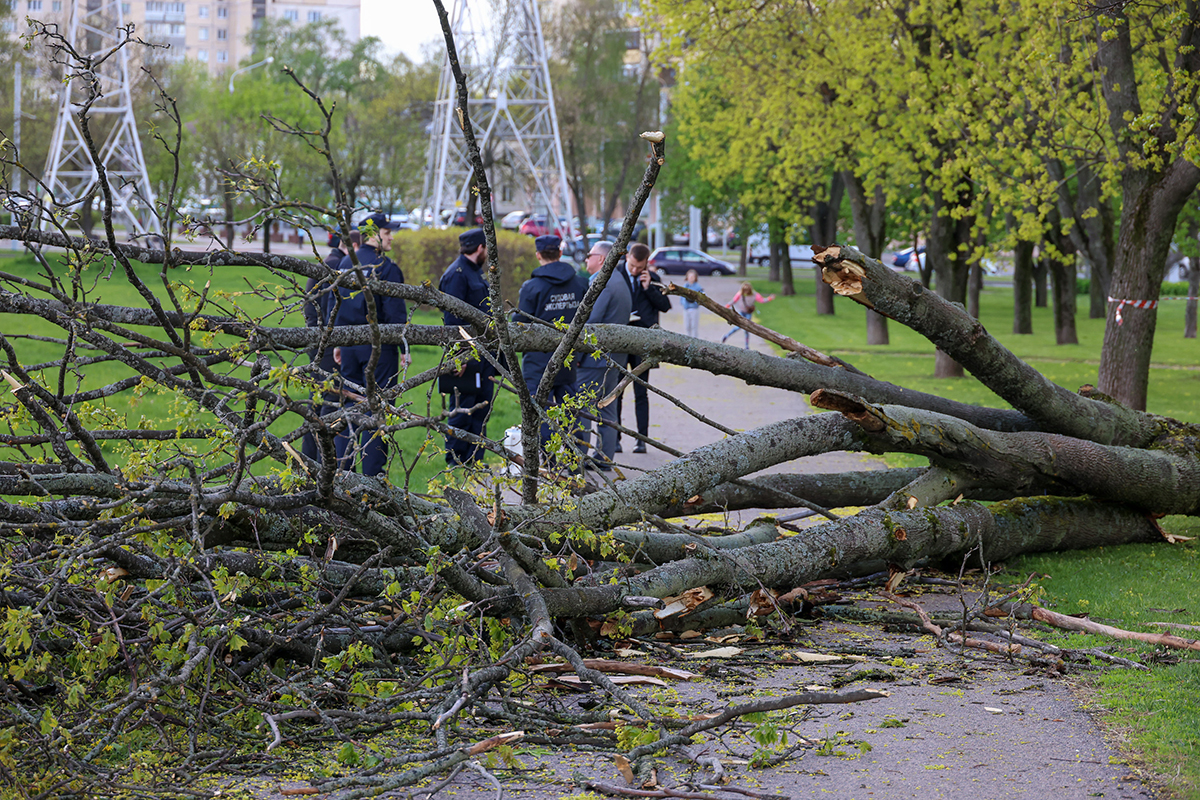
376	231
470	387
553	293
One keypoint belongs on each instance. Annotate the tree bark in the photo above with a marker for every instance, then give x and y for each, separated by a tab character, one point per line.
946	250
870	231
1062	275
1023	287
1189	317
823	231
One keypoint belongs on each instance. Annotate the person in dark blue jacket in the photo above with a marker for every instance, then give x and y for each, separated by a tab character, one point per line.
553	293
352	360
471	386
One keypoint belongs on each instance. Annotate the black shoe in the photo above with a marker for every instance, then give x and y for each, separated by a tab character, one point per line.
640	447
619	450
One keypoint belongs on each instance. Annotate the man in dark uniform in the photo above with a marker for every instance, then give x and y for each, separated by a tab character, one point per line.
648	302
314	317
352	360
553	293
470	386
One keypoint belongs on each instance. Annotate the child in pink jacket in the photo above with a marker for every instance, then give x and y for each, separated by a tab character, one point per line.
744	303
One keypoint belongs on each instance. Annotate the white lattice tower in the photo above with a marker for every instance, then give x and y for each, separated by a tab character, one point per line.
512	111
95	30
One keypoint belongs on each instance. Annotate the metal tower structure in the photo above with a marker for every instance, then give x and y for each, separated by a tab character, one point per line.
96	29
511	111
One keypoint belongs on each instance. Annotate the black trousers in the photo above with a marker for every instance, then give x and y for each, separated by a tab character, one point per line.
641	399
459	451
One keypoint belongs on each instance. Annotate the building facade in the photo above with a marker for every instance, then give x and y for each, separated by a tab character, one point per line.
211	32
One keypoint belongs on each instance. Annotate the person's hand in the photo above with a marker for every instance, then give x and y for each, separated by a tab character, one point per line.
337	356
769	298
405	360
645	279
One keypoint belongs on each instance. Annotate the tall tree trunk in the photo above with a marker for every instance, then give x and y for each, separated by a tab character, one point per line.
1189	318
1023	287
775	236
974	285
267	236
870	232
1062	275
946	250
1091	228
1150	210
1039	281
823	231
743	256
705	212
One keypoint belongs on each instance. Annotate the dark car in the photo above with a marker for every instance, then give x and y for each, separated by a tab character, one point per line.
460	219
614	229
578	248
678	260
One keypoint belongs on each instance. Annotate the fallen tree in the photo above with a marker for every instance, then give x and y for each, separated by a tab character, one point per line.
199	582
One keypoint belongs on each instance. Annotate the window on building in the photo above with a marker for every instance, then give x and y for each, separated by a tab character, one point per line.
222	34
202	34
153	5
34	5
222	12
176	29
9	26
314	16
56	5
222	56
202	11
175	8
202	55
126	8
291	15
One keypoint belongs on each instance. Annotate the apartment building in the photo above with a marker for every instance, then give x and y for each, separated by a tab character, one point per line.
211	32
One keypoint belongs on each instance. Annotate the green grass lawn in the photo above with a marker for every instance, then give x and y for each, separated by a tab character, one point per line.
257	295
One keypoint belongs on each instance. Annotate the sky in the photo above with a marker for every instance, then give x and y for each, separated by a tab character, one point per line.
403	25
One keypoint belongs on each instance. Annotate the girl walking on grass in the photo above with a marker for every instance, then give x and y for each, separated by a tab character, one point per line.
744	303
691	309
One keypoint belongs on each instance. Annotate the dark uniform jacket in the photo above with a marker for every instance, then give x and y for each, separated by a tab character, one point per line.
353	308
612	308
552	294
464	279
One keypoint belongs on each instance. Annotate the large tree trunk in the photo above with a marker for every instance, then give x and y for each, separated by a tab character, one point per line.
946	250
1189	317
1041	276
705	212
870	231
1023	287
778	248
1091	230
823	231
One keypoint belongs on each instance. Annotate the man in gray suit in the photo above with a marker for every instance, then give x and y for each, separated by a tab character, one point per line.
598	374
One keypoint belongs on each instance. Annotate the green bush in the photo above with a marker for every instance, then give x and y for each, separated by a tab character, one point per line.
1082	285
424	255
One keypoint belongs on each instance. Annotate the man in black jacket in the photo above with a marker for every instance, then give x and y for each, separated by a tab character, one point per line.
353	359
552	294
648	302
314	318
470	386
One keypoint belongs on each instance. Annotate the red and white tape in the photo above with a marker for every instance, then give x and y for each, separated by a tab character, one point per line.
1132	304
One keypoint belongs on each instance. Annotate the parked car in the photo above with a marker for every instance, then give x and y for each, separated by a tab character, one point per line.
536	225
459	220
904	258
513	219
579	247
678	260
613	229
760	250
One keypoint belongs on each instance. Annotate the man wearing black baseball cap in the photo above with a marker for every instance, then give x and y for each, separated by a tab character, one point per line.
552	294
470	386
376	231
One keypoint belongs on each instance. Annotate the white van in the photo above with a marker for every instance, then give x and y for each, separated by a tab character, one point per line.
760	251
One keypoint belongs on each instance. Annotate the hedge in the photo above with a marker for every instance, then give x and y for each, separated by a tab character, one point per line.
424	255
1178	289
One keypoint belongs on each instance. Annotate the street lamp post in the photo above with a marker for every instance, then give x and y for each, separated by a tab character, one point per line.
236	72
